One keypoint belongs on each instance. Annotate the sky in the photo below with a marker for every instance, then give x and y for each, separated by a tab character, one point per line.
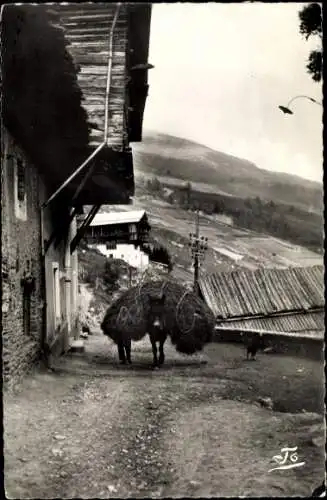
221	70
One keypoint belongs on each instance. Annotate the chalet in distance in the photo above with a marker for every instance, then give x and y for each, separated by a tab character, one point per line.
119	227
121	235
68	117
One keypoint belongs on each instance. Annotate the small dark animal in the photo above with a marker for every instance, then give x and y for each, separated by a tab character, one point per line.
85	329
156	328
124	352
253	344
320	491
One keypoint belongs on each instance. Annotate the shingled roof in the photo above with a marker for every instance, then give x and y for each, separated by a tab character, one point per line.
263	292
113	218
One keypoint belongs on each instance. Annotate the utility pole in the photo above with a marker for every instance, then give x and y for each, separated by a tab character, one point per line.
198	248
196	253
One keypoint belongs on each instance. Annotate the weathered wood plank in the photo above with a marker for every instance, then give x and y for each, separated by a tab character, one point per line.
119	102
97	99
115	93
100	60
102	37
99	92
94	107
92	59
96	82
93	70
99	111
96	32
90	37
97	115
85	24
93	99
89	17
87	6
118	92
96	77
115	135
98	45
81	12
92	18
115	108
96	132
76	30
103	48
97	123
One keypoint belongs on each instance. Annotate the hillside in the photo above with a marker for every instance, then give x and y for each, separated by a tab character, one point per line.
172	159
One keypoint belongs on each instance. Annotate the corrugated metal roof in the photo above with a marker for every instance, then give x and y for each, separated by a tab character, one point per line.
263	291
300	323
118	218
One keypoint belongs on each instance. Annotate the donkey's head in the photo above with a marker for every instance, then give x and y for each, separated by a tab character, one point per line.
156	311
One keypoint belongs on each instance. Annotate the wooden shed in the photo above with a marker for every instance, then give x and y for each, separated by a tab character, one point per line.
279	303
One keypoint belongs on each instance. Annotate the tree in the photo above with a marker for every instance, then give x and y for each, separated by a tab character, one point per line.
187	189
219	206
111	275
311	25
156	185
160	254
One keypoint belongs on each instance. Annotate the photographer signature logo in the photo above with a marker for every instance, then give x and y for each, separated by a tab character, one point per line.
287	460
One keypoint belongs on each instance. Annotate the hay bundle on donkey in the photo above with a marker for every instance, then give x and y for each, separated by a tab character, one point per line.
183	316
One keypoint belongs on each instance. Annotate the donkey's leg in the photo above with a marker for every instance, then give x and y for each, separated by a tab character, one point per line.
154	351
161	350
128	352
121	353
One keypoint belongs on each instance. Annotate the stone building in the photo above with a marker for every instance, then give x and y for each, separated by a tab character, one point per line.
52	164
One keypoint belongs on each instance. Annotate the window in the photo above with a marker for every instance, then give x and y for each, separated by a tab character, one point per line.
132	232
20	188
56	293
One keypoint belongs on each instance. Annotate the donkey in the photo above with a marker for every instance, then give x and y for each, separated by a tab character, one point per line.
156	328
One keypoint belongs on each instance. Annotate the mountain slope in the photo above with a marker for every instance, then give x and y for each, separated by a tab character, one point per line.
171	157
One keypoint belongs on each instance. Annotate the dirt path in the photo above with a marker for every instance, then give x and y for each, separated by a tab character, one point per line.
108	431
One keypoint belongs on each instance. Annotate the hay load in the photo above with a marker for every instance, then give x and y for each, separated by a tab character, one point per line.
187	319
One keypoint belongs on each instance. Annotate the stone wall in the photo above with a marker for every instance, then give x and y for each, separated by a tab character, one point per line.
21	253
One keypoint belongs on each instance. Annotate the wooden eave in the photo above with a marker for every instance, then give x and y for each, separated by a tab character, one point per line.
87	28
111	180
